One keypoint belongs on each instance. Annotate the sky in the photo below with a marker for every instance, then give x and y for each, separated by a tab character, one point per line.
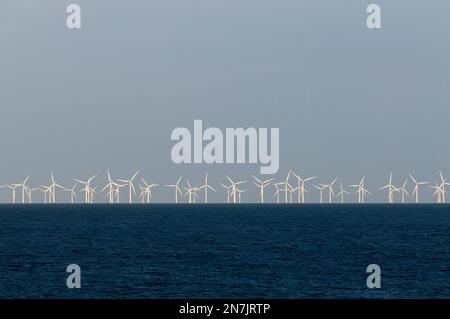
349	101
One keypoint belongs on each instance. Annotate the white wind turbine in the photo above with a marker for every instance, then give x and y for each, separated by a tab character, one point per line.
287	187
239	192
301	187
47	193
191	192
416	188
234	185
88	190
131	188
404	191
206	186
361	190
330	190
72	192
438	193
443	184
117	192
177	188
52	187
320	188
342	193
111	186
277	191
228	191
13	187
146	191
261	185
391	189
24	187
30	193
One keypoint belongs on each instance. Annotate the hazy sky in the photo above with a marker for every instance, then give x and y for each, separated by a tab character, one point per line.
348	100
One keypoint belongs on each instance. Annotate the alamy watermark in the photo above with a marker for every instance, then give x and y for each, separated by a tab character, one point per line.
74	279
374	279
236	145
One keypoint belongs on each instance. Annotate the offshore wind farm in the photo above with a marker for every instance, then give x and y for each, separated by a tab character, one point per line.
290	189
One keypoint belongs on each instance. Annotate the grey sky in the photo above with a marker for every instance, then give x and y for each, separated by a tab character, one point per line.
348	100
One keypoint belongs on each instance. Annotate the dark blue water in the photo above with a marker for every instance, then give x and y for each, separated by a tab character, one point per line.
225	251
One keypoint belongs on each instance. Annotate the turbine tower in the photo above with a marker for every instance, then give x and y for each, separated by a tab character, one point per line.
52	187
111	186
206	186
24	187
416	188
228	191
261	185
320	188
131	188
30	192
391	189
438	193
47	193
239	192
342	193
404	191
191	192
13	187
233	186
301	187
277	191
287	186
72	192
330	190
361	190
88	190
443	184
146	191
177	188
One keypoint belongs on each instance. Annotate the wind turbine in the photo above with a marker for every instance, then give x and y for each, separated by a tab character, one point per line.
330	190
404	191
233	185
361	190
111	186
239	192
391	189
342	193
24	187
287	186
53	186
277	191
228	191
130	186
416	188
320	188
206	186
301	187
261	185
88	190
13	187
443	183
47	193
438	193
146	191
177	188
117	192
72	192
30	192
191	192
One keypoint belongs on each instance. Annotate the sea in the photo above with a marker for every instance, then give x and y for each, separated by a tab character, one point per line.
225	250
